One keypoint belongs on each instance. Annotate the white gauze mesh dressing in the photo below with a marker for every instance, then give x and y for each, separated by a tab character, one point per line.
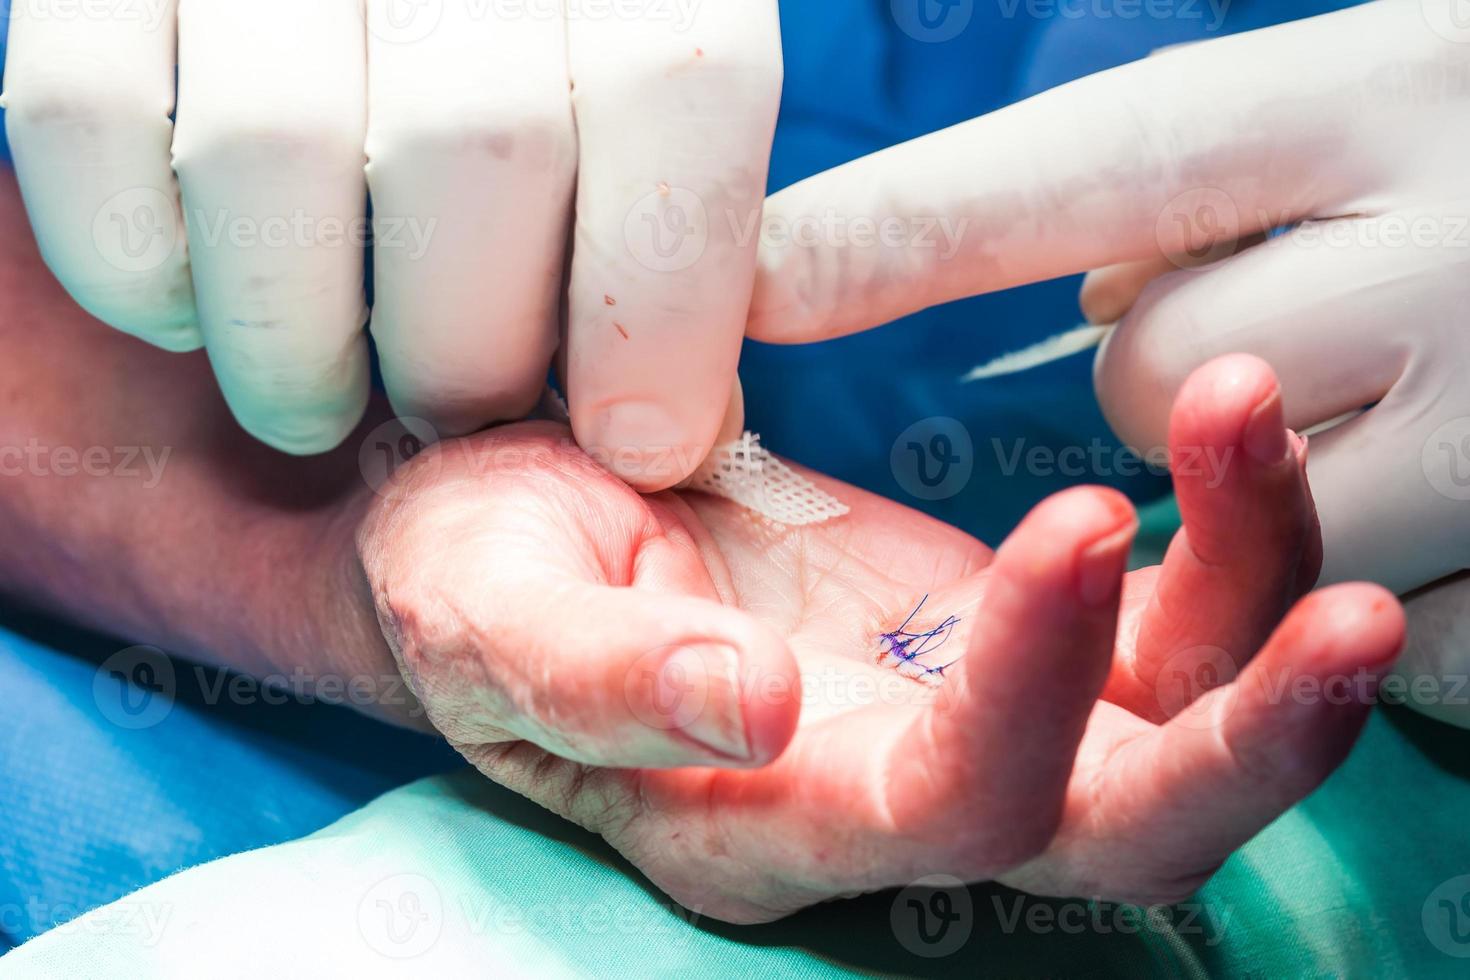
743	471
747	474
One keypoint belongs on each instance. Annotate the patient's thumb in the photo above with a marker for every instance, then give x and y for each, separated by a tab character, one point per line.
635	679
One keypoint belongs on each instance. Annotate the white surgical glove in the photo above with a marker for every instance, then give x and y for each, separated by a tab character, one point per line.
1355	125
502	142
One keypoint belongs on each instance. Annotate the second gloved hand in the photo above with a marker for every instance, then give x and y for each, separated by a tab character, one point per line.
1350	129
484	129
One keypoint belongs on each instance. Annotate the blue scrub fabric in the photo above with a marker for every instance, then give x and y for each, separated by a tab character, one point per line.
93	809
108	787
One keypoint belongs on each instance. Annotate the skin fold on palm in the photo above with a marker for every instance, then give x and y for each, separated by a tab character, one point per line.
703	688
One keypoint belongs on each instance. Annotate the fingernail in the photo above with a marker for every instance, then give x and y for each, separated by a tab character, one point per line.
1101	566
1265	437
704	682
641	443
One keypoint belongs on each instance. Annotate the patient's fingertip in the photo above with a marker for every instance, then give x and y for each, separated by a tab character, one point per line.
1240	379
1368	619
1079	514
1073	546
1355	630
1231	400
687	699
729	698
1066	531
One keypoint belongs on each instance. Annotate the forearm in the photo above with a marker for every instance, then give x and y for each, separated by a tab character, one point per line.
131	502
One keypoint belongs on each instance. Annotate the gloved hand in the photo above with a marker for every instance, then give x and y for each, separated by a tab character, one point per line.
476	122
1354	126
639	664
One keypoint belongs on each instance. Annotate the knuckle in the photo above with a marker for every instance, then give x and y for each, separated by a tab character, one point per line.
1022	842
73	99
746	78
1257	763
532	135
756	69
298	142
1009	844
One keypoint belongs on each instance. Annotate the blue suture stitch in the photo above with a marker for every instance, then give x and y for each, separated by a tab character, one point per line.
901	648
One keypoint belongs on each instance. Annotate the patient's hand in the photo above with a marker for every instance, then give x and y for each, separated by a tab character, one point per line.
501	581
575	641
